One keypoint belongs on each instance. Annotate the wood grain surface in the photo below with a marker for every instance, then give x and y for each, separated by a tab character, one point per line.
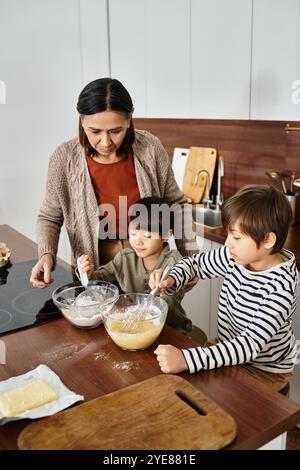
196	181
163	412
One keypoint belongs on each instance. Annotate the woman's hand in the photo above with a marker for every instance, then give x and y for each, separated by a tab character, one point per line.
86	265
170	359
41	272
155	278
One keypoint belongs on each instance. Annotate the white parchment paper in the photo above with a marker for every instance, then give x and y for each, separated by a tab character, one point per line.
65	398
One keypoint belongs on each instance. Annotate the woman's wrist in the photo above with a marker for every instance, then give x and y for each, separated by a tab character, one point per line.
48	255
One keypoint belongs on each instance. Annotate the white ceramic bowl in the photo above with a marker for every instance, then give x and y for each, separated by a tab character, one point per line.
132	327
85	314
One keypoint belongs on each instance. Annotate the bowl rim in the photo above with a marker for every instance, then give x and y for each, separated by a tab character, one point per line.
77	284
141	294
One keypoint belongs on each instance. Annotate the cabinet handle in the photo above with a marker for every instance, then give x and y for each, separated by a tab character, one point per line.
289	128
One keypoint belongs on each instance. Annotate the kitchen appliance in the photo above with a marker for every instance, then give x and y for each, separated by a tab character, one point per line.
21	304
163	412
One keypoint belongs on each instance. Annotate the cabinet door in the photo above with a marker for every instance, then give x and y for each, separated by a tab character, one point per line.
275	59
220	58
196	302
295	382
128	48
94	39
150	54
216	285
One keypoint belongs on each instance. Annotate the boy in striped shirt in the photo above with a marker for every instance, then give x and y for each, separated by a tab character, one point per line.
258	296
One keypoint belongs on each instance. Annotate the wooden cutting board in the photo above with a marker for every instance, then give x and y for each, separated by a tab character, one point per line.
163	412
194	183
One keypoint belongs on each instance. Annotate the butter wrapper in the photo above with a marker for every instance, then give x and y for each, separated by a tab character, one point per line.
65	398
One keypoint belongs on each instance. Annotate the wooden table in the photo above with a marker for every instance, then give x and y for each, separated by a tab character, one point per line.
90	364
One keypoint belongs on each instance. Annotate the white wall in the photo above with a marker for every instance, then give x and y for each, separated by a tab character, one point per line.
43	68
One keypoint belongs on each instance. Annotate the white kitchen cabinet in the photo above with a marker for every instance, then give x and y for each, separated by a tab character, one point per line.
94	39
223	59
150	54
275	59
168	58
220	58
196	302
295	382
216	284
183	59
201	303
127	42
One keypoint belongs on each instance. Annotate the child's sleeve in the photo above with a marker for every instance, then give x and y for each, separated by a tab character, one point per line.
214	263
109	271
273	315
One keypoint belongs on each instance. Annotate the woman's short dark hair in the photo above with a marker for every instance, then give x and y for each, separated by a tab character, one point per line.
101	95
152	214
259	210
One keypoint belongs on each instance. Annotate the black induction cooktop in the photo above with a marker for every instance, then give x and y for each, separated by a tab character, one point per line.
21	304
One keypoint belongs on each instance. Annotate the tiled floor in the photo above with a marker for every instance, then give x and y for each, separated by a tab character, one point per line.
293	439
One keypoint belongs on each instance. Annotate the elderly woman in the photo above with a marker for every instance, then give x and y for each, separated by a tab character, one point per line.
89	173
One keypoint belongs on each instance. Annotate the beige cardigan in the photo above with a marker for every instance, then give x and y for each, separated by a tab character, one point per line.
70	197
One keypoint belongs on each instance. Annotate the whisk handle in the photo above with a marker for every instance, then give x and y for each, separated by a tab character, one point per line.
164	276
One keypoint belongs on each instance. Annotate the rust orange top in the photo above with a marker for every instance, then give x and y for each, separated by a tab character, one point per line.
111	181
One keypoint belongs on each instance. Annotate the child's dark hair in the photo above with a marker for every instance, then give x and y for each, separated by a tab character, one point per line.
152	214
259	210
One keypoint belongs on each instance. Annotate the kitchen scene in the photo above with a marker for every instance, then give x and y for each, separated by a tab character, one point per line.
123	121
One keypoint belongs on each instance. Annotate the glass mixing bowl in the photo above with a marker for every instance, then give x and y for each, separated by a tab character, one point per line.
132	326
85	311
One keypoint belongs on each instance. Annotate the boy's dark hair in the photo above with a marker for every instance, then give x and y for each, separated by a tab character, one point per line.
259	210
101	95
152	214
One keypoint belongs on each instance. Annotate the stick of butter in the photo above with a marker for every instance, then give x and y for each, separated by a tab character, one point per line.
26	397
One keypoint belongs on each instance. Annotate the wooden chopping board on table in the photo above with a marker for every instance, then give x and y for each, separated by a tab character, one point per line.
163	412
194	183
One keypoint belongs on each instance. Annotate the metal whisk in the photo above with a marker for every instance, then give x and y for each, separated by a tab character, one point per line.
141	309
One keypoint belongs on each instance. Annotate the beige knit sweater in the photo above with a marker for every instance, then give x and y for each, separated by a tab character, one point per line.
70	197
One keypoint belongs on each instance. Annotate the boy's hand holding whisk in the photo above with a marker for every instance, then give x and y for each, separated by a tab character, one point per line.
155	277
169	282
170	359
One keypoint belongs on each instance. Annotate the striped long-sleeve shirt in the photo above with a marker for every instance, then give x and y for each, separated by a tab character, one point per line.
254	316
